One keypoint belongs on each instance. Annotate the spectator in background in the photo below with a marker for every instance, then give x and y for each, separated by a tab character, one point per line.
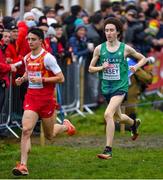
95	29
135	33
82	18
5	41
37	12
50	14
96	36
42	19
70	20
144	6
28	4
85	18
4	80
29	19
105	9
157	41
22	46
8	21
79	42
131	16
46	43
11	54
59	10
23	27
16	12
59	44
151	8
117	9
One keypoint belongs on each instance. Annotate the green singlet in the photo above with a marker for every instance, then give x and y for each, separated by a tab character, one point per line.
115	78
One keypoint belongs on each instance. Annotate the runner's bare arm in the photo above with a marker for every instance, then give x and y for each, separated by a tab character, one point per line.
129	51
92	66
58	78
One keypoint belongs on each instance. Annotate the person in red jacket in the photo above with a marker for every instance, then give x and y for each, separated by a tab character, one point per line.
4	81
11	54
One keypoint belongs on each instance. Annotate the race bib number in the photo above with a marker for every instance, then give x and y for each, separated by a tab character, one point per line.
34	74
112	72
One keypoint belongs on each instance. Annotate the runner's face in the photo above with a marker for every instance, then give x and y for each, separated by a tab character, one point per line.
34	41
111	32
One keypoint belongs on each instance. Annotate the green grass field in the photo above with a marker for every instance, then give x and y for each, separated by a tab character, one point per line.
75	157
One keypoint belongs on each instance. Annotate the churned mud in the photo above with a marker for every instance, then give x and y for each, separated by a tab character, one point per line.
146	141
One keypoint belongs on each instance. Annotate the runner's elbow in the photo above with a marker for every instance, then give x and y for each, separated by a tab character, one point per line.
62	79
90	69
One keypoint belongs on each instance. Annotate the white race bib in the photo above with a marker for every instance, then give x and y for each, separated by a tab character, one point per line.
112	73
34	74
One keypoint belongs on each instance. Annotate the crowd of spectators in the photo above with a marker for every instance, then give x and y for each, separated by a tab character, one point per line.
76	33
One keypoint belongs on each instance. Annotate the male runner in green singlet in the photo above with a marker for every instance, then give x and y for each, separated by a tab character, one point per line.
109	59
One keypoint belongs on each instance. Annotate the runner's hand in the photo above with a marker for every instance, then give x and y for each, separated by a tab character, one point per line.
36	79
105	65
19	81
133	69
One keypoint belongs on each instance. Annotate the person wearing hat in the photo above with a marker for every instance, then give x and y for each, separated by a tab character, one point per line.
8	21
29	19
11	54
22	46
79	42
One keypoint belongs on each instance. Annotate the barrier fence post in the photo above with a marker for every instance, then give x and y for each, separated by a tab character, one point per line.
81	86
7	123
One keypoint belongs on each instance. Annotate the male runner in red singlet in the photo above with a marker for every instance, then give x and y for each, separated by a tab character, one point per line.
42	73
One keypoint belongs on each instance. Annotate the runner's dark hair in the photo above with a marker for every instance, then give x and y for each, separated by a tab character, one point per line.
38	32
115	21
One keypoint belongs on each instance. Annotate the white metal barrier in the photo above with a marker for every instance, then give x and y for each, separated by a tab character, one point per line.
6	122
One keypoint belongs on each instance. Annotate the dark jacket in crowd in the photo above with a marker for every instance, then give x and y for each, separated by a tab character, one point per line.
95	36
79	46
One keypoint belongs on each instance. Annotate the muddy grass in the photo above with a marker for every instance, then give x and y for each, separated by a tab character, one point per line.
125	142
96	141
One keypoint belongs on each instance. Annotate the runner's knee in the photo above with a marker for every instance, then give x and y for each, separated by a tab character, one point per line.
108	116
26	131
